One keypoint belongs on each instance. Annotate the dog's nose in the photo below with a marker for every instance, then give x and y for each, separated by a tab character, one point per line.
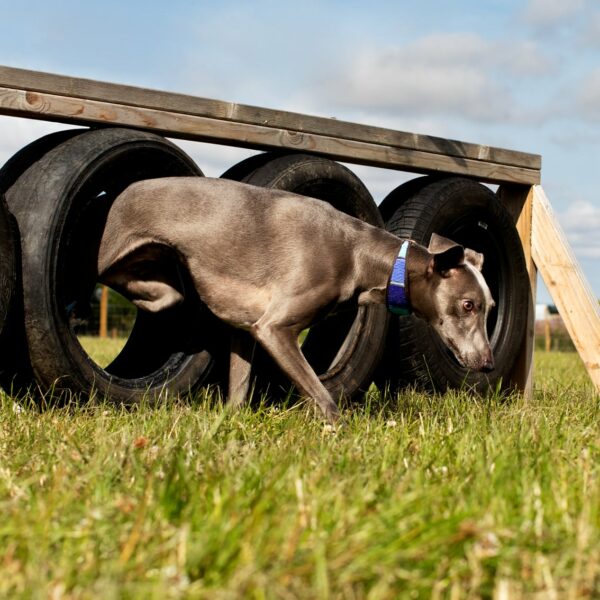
488	363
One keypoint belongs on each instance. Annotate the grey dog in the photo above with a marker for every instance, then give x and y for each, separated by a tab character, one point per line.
272	262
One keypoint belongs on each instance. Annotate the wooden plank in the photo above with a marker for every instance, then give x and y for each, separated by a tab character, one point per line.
82	111
518	200
566	283
202	107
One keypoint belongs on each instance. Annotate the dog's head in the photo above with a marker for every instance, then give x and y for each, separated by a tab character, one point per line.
460	302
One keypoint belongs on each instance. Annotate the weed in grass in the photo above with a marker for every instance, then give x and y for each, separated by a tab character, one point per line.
415	496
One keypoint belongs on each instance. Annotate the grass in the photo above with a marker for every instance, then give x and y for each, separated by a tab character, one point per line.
416	496
103	351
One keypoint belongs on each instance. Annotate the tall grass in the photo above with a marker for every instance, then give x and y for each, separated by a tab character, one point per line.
415	496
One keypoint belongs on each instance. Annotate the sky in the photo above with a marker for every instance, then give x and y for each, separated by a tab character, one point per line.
519	75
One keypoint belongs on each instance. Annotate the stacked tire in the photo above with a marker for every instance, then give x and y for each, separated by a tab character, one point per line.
54	198
7	266
59	190
345	348
472	215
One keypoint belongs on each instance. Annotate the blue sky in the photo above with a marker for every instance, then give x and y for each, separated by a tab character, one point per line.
522	75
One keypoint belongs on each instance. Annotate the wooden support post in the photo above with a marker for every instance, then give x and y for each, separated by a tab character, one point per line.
104	312
566	283
547	335
518	200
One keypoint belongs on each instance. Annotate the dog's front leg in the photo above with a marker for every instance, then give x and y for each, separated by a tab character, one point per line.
282	345
240	368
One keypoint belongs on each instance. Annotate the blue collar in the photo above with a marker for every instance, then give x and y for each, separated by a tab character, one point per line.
397	291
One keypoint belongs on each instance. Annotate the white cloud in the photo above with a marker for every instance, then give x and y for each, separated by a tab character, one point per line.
449	74
581	222
592	31
521	58
15	133
589	96
214	159
544	13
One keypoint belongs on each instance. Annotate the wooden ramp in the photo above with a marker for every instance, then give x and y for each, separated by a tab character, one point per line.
566	283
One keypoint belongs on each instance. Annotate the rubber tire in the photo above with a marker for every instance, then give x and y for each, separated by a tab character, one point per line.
60	204
19	162
398	196
15	370
244	169
7	266
360	334
470	214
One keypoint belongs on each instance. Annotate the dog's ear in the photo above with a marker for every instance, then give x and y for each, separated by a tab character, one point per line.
449	259
446	255
474	258
439	244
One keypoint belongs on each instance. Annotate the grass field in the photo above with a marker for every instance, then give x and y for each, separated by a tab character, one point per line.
416	497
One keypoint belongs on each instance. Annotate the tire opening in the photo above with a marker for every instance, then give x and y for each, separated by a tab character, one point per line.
106	330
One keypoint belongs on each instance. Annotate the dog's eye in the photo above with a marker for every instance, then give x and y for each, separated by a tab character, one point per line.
468	305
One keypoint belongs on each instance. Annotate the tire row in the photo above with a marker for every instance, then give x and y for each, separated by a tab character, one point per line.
54	198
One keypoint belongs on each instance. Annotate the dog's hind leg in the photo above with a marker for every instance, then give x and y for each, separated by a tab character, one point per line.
240	368
282	345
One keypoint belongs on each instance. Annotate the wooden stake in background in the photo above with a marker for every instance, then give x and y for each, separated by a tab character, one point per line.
103	312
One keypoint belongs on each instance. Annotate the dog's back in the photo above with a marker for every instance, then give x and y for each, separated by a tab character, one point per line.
238	240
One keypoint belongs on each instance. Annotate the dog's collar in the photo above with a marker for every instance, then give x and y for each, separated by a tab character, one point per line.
397	291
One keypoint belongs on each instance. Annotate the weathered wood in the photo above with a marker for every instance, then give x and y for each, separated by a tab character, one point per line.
82	101
180	103
518	201
566	283
65	109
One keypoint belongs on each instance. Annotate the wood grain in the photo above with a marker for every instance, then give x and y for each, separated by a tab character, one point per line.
81	111
518	201
566	283
228	111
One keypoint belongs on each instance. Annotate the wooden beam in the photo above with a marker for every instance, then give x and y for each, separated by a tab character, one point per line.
566	283
518	200
184	126
86	102
229	111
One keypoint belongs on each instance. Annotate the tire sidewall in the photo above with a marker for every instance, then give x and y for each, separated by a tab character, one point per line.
304	174
451	204
7	264
50	189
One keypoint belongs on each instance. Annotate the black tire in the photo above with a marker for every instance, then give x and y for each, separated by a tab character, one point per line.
15	369
7	266
398	196
470	214
19	162
344	349
60	204
244	169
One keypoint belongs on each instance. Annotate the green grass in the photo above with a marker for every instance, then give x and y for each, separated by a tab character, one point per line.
103	351
415	496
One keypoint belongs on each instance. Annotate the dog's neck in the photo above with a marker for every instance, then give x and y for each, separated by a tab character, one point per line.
379	271
417	297
397	298
418	283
